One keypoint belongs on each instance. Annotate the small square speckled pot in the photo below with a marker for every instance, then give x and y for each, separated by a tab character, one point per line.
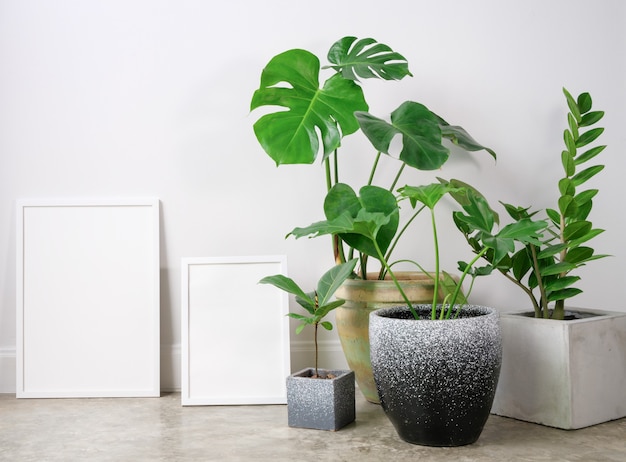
321	404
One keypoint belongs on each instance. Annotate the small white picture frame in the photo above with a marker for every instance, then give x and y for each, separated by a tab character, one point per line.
88	298
235	332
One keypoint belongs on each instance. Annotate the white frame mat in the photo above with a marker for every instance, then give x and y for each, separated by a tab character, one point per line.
235	332
88	298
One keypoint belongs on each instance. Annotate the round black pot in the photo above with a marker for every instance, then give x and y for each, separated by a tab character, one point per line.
436	379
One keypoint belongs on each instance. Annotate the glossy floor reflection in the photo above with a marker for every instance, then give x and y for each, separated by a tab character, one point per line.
160	429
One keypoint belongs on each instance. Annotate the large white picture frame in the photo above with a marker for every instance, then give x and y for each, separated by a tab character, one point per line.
88	298
235	332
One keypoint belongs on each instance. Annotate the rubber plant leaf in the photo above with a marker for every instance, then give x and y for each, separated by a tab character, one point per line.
308	115
419	130
332	280
366	58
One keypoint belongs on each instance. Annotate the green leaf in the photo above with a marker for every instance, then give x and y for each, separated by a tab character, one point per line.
573	106
561	283
366	58
429	195
290	81
557	268
563	294
460	137
420	132
326	325
554	216
570	144
521	264
576	230
551	250
526	231
478	214
286	284
587	237
588	137
590	154
579	255
591	118
567	206
566	187
332	280
573	126
300	328
586	174
585	196
584	102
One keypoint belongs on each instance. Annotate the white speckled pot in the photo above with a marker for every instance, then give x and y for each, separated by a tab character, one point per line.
436	379
321	404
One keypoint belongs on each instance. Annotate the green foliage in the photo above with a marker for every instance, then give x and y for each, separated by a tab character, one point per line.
317	303
303	119
539	256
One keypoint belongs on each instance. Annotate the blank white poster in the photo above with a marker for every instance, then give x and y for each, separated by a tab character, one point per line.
88	298
235	332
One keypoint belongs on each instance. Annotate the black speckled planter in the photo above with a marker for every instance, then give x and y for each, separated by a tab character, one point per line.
321	404
436	379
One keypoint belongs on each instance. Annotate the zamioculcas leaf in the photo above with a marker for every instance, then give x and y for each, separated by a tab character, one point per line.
576	230
579	255
590	154
564	294
557	268
591	118
585	138
561	283
567	159
586	174
584	102
573	106
551	250
570	144
573	126
585	196
566	187
567	206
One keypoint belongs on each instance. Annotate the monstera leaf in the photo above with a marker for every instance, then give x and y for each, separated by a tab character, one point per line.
310	116
291	80
420	131
359	59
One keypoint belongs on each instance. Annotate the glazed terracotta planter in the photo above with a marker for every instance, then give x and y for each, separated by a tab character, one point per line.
436	379
564	374
352	318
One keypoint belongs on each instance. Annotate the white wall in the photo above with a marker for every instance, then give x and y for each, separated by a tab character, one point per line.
143	97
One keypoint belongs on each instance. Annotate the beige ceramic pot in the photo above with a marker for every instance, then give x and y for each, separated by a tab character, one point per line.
352	318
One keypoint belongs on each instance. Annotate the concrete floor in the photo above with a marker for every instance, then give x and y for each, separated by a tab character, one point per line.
160	429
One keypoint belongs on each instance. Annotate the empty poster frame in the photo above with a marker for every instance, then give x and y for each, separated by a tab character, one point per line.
88	298
235	332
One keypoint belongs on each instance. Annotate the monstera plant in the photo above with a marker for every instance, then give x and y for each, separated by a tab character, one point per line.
311	119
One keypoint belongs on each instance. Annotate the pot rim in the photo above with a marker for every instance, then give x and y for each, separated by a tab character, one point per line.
471	311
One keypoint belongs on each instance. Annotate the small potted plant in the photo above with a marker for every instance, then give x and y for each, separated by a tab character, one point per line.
562	367
318	398
305	121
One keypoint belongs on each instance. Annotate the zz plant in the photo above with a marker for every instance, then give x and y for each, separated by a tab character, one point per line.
544	269
319	303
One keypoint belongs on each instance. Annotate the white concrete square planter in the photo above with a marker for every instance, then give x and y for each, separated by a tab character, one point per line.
321	404
564	374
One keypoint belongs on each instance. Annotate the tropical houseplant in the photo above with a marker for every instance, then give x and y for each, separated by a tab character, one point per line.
318	398
309	121
562	367
435	366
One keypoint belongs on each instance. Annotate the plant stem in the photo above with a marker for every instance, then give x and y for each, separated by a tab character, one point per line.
371	178
316	352
543	300
530	294
395	280
433	314
397	238
395	180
